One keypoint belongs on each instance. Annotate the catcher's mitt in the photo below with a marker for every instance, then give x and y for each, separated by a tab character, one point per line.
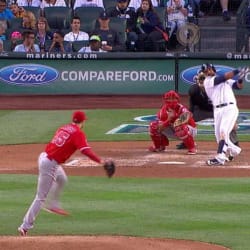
181	120
109	167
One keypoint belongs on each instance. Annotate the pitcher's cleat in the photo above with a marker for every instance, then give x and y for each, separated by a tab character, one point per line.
22	231
58	211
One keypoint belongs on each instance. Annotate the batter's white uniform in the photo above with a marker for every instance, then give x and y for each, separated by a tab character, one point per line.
225	113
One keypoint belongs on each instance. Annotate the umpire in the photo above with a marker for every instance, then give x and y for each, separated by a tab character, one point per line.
201	106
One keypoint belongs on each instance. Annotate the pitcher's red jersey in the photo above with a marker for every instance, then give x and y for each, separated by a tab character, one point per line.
65	142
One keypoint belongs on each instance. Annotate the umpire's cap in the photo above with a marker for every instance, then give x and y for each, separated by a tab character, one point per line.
78	117
206	66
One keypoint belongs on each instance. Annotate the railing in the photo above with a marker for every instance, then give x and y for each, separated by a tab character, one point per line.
242	30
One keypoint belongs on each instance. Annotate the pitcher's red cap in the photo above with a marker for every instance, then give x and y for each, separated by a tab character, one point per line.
78	117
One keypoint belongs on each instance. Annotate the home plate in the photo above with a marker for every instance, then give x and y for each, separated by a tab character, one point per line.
172	162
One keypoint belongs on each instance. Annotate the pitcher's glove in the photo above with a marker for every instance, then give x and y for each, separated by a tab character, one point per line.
109	167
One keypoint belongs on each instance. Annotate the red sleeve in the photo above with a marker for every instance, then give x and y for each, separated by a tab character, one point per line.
80	140
88	152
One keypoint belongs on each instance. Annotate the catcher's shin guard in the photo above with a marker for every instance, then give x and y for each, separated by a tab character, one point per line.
160	141
189	142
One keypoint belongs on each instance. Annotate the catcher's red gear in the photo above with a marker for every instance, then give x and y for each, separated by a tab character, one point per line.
160	141
181	131
172	95
171	98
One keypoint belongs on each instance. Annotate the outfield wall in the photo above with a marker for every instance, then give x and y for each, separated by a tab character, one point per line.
108	73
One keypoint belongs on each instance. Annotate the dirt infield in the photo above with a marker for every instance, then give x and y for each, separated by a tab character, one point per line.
133	160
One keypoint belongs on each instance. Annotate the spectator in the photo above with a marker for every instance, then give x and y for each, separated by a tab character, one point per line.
29	21
195	4
76	34
33	3
148	26
43	33
3	27
110	38
52	3
17	10
58	45
136	4
225	13
121	10
94	45
177	14
28	44
88	3
15	38
1	46
5	13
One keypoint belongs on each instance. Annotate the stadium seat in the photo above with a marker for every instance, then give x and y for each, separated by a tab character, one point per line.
109	4
77	45
7	45
88	25
119	25
14	23
86	13
161	12
58	17
35	10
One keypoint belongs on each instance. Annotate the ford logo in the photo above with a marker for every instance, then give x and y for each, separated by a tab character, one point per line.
188	74
28	74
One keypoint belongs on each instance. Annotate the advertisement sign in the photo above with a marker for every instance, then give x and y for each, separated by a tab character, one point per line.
140	76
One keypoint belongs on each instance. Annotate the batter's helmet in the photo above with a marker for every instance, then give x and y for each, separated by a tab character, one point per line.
206	66
78	117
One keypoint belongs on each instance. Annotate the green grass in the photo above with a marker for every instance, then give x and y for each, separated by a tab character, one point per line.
19	127
209	210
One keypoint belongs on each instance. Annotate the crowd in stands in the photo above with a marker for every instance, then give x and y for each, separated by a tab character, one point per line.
94	25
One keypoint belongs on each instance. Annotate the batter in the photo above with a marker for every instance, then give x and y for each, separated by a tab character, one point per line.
220	91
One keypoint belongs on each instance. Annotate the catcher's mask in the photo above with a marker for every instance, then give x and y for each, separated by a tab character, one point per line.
208	69
171	98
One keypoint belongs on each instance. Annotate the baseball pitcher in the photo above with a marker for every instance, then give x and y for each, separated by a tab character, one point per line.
52	177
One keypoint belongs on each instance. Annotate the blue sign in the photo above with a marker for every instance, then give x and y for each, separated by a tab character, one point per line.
28	74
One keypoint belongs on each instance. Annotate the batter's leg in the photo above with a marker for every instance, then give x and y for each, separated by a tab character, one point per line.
233	137
47	171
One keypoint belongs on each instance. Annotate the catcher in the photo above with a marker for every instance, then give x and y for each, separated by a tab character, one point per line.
174	121
52	177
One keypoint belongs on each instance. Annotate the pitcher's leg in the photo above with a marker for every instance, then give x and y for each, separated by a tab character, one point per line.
47	170
57	188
